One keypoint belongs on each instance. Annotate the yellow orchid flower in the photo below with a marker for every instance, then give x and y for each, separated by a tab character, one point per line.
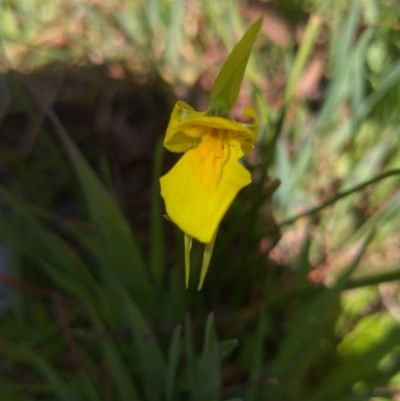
200	187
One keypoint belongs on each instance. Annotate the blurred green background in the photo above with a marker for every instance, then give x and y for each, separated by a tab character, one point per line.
301	302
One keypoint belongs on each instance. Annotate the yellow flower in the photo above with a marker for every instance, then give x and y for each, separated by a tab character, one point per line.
200	187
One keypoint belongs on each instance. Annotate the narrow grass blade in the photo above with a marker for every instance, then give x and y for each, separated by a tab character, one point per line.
341	46
119	371
174	33
120	250
58	260
62	390
153	15
227	347
173	361
310	35
153	365
392	78
190	358
209	372
257	355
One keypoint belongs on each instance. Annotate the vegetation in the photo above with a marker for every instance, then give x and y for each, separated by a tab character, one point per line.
301	301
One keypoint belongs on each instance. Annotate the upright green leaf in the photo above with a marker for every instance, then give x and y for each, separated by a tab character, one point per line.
257	362
190	358
302	56
226	87
174	33
150	358
118	369
173	361
209	371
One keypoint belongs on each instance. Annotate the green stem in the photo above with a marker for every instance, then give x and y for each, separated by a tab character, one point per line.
340	195
280	302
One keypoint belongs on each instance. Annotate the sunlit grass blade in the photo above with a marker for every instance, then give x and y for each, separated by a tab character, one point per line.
378	337
219	21
392	78
174	33
153	15
310	35
305	329
341	46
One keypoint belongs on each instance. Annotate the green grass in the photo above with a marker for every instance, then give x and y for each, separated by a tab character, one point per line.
301	299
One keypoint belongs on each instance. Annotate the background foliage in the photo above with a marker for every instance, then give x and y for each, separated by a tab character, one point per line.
304	281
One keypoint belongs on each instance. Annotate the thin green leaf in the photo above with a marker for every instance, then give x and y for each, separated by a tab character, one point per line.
227	347
174	34
310	35
62	390
56	257
173	361
152	363
209	371
257	362
190	358
120	251
119	371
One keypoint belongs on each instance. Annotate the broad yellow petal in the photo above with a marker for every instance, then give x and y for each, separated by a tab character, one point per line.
200	187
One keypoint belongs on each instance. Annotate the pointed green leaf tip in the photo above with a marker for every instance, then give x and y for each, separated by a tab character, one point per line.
188	247
208	251
227	85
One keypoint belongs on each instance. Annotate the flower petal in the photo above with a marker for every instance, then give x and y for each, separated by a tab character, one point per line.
201	186
178	139
186	125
